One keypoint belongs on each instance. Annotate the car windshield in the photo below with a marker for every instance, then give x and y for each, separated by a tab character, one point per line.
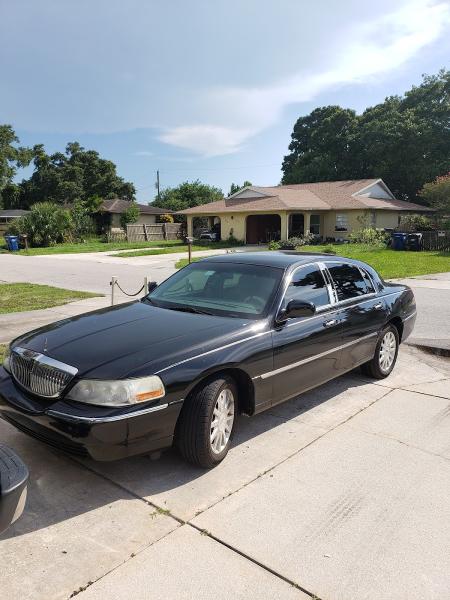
225	289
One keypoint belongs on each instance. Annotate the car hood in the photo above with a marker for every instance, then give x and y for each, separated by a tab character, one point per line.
131	340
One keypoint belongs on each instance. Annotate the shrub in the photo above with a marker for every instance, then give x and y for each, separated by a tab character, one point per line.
415	223
274	245
291	243
47	224
83	224
130	215
166	218
375	238
232	241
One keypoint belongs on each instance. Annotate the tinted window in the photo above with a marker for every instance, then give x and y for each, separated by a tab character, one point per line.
348	281
307	284
228	289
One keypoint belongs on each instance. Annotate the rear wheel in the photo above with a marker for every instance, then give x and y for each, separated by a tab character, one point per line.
206	422
385	356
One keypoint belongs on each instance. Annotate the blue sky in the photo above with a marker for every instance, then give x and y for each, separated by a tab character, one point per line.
204	89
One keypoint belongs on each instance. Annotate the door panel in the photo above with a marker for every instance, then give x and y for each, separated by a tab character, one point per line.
362	312
311	341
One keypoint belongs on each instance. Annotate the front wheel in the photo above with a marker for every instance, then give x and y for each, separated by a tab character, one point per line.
385	356
206	422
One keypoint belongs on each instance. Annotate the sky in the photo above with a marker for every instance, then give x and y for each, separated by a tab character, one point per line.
199	88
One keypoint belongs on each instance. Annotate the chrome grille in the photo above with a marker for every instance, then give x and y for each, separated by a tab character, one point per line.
39	373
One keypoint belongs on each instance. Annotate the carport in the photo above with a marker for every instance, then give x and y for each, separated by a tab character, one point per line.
262	228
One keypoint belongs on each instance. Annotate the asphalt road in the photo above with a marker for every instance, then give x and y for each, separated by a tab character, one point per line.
92	272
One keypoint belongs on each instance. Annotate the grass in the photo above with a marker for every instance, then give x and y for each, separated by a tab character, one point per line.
180	248
390	264
95	245
18	297
2	352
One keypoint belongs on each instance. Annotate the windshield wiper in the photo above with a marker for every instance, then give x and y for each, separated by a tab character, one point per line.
189	309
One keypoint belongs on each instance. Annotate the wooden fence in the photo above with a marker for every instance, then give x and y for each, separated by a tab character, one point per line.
436	240
154	232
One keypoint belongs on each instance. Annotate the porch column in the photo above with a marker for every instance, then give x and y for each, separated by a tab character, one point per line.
284	226
190	229
307	222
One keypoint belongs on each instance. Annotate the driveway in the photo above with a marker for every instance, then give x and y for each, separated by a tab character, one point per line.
341	493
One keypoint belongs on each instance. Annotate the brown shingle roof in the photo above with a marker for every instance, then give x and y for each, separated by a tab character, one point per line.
325	195
117	205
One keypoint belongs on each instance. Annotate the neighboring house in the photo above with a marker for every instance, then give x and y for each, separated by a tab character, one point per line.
9	215
330	209
111	211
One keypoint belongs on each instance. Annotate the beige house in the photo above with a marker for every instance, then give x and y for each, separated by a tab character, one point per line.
330	209
111	211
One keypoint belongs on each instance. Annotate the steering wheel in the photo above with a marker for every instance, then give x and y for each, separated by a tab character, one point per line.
256	301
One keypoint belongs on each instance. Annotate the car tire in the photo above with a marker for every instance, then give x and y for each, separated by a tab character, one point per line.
385	356
205	426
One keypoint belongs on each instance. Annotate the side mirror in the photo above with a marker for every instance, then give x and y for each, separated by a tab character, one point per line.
152	286
13	487
297	309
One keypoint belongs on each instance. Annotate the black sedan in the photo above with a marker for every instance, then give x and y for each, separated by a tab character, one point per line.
230	334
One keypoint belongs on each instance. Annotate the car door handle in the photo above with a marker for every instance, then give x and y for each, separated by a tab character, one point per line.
378	306
330	323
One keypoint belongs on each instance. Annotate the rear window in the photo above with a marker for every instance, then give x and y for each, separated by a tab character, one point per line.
348	281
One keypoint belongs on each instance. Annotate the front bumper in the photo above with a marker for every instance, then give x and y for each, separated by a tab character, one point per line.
96	432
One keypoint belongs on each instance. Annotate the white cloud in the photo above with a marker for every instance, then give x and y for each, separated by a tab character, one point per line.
374	49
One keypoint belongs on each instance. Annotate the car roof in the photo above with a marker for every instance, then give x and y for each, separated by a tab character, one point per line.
278	258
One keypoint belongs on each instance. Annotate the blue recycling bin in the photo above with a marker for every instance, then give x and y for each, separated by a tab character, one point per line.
399	241
13	242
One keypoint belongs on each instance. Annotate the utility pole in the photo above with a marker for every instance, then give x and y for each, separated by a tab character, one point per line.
157	183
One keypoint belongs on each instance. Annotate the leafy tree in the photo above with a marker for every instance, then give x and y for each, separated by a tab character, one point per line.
437	194
405	140
130	215
11	157
77	174
46	225
167	218
186	195
235	187
415	223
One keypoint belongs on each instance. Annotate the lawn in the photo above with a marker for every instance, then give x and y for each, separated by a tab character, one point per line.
17	297
179	248
2	352
96	245
390	264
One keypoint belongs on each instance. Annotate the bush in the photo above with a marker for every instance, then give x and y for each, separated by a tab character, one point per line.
130	215
47	224
166	218
83	224
415	223
291	243
234	241
375	238
274	245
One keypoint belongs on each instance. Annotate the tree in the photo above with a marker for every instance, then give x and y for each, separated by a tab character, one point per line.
186	195
235	187
11	157
437	194
405	140
46	225
75	175
130	215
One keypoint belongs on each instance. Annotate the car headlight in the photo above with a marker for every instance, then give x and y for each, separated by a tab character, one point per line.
120	392
7	360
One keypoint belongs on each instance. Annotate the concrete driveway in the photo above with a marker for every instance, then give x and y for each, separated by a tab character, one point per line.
342	494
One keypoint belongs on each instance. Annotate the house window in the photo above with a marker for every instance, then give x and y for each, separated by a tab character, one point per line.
314	224
341	222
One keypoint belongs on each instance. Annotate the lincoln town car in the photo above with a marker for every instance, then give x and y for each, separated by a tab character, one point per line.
230	334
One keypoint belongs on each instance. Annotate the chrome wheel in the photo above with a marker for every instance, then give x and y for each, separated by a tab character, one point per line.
222	421
388	348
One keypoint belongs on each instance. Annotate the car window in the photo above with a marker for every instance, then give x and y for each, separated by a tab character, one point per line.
368	282
308	285
348	281
228	289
